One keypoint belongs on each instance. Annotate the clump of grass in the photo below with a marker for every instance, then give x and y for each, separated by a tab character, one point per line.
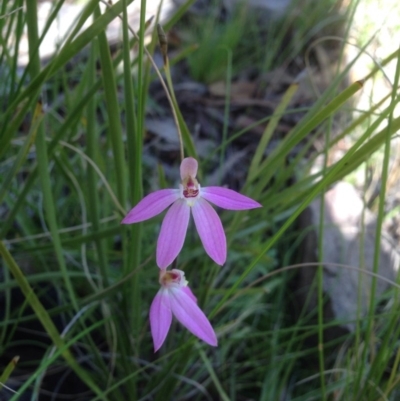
69	171
257	38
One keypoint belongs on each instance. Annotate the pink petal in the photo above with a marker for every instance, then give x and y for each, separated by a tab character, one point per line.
151	205
160	317
189	293
189	167
191	316
228	199
172	234
210	229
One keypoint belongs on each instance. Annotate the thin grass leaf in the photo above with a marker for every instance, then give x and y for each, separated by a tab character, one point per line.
269	130
45	319
23	152
8	371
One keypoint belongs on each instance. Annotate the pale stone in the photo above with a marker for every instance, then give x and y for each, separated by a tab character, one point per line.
346	242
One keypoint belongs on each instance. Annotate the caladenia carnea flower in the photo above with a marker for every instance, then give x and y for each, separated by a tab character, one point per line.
189	197
176	298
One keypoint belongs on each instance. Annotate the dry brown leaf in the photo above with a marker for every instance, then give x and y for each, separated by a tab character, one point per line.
239	89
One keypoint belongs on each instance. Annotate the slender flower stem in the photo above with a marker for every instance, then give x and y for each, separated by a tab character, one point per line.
169	93
174	106
162	38
226	110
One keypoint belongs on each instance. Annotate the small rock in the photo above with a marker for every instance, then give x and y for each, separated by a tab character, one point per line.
274	8
343	243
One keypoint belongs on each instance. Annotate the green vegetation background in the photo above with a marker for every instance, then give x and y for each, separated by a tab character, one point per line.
71	169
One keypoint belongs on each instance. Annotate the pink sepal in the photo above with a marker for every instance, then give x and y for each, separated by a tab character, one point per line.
191	316
210	229
160	318
151	205
228	199
189	293
172	234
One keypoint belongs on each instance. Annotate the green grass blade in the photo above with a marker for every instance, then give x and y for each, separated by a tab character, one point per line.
113	114
22	154
42	158
269	130
8	371
44	317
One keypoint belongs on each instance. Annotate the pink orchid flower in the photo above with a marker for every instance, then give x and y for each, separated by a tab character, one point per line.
176	298
189	197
